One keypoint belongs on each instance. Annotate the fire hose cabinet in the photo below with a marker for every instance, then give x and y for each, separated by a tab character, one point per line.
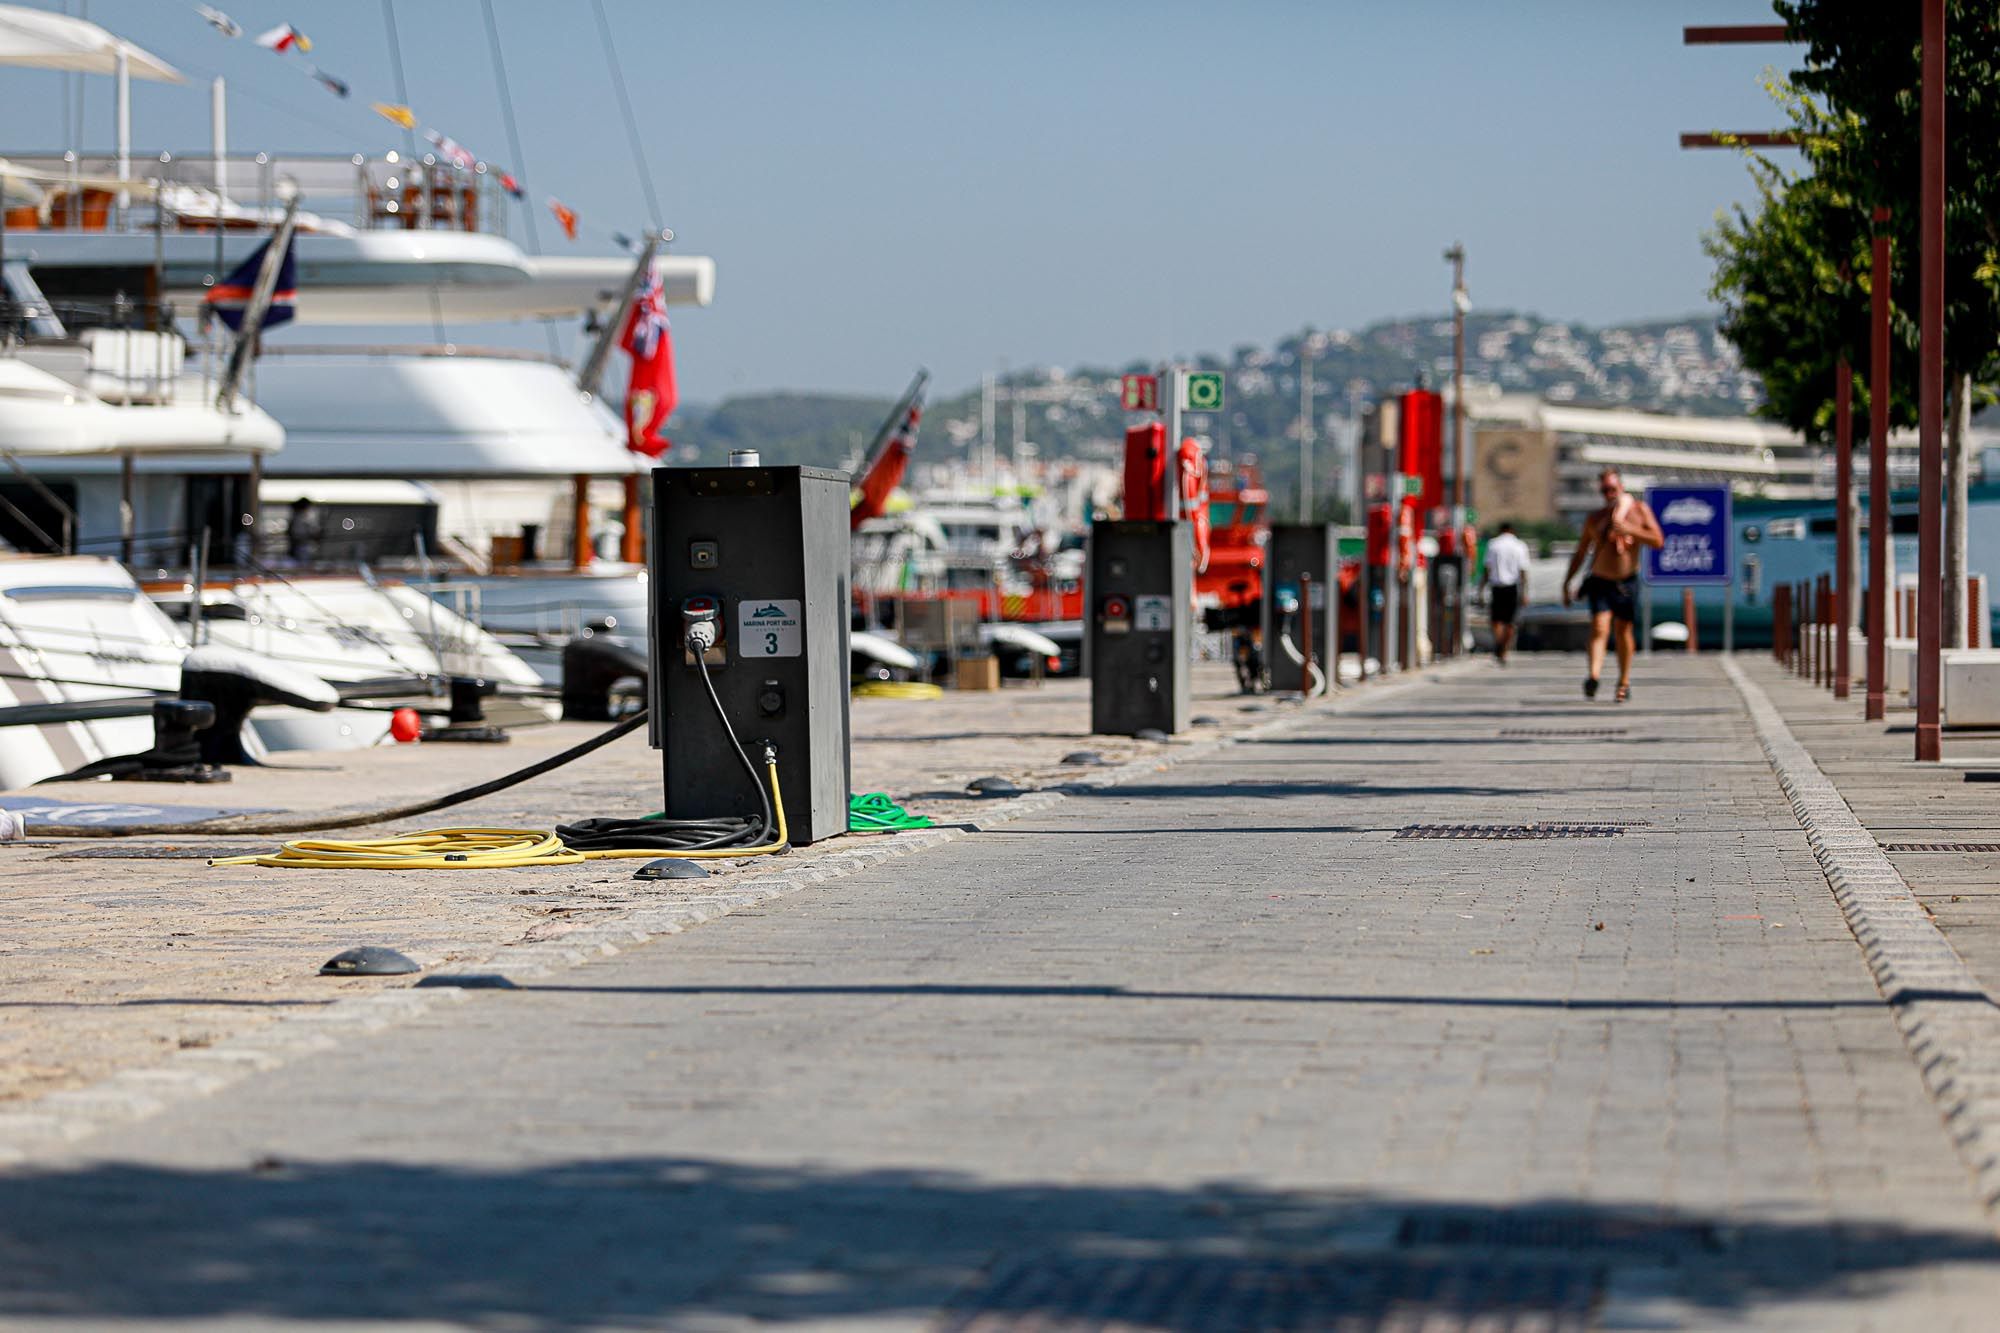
1298	552
760	555
1139	599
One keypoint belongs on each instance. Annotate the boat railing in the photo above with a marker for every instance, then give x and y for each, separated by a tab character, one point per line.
439	350
340	193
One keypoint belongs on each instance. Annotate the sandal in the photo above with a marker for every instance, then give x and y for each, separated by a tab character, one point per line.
1590	687
1624	693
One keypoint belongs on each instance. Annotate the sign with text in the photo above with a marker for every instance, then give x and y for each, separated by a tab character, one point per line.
1141	393
1695	520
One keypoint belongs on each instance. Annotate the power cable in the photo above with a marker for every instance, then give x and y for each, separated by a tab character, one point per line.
244	824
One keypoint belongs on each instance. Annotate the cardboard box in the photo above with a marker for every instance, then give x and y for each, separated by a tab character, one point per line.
978	673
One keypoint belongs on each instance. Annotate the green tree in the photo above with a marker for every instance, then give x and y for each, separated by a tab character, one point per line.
1860	93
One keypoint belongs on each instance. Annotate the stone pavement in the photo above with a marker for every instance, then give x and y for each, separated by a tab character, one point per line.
1942	829
112	963
1226	1046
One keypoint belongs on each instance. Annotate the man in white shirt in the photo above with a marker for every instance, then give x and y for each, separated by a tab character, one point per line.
1507	586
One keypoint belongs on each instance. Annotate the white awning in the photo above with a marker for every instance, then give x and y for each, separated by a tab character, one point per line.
41	40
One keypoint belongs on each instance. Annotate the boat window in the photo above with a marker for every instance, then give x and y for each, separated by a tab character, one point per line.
1221	513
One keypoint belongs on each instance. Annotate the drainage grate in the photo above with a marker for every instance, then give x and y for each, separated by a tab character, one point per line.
1510	832
1058	1294
125	851
1941	846
1570	1232
1561	733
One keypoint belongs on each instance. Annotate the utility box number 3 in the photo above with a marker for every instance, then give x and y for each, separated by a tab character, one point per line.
769	627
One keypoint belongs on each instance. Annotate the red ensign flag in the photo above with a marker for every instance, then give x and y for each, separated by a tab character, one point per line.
651	394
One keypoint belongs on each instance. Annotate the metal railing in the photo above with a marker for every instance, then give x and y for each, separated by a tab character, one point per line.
81	192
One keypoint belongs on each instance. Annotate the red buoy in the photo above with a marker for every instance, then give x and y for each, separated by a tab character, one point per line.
405	725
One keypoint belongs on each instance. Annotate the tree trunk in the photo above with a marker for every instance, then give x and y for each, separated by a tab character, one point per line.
1951	628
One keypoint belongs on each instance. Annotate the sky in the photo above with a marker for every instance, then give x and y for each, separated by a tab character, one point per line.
971	187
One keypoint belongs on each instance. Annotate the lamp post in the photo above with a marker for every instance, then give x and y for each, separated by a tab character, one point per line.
1461	301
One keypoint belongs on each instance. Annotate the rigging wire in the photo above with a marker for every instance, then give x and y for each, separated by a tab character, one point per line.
514	147
625	104
410	139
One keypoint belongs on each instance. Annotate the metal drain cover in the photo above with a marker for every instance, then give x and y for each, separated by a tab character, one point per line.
153	851
1509	832
1941	846
1065	1293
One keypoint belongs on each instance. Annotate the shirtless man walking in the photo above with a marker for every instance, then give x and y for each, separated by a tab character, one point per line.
1611	539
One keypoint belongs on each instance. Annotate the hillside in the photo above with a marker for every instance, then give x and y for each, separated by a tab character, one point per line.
1664	365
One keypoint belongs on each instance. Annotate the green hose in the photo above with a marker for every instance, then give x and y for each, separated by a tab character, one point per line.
873	812
868	812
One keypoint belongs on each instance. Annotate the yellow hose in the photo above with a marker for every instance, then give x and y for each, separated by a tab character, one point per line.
897	689
483	848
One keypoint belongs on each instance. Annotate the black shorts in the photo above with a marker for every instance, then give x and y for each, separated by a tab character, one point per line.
1614	595
1506	604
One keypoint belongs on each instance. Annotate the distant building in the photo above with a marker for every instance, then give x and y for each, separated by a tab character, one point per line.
1535	461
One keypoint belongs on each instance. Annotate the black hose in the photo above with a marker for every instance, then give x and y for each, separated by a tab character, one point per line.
245	824
683	835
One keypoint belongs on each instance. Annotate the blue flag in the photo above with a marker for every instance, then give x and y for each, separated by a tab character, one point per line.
231	296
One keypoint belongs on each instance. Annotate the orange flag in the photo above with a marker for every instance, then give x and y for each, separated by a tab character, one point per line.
564	215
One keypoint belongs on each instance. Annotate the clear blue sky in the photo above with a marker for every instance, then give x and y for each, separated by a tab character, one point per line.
884	185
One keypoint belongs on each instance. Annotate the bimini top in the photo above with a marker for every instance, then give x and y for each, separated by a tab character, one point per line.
41	40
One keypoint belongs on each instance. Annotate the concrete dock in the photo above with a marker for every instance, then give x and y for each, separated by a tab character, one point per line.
1453	1002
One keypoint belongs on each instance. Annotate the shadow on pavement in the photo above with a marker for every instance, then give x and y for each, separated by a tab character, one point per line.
657	1241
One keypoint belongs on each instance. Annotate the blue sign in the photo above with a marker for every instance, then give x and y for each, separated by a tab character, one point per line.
1695	520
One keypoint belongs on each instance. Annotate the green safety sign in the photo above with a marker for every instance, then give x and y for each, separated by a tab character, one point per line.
1201	392
1412	485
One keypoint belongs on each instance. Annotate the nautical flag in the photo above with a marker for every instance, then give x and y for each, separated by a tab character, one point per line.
624	242
650	395
285	37
881	474
338	87
230	296
220	21
511	185
398	115
564	215
452	151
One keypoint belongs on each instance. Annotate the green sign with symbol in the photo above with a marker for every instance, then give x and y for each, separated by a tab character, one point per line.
1413	485
1201	392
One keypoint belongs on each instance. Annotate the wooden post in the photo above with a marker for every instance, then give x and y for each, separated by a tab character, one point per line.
1843	524
1306	632
581	551
1687	618
1781	629
1924	680
1881	523
1978	633
632	550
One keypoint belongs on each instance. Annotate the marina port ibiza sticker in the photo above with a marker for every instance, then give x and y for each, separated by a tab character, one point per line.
769	628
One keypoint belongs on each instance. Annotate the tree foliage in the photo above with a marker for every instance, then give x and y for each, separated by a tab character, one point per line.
1793	274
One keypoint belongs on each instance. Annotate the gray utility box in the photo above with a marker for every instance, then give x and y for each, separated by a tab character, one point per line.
1139	602
1297	549
768	547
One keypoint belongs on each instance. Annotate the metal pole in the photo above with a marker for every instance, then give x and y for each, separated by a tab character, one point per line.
1305	430
1170	465
600	352
1930	384
1458	303
1306	633
218	129
1729	615
124	131
1843	524
125	523
1880	521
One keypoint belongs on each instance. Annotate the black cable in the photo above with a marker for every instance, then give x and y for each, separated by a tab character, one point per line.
242	824
684	835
